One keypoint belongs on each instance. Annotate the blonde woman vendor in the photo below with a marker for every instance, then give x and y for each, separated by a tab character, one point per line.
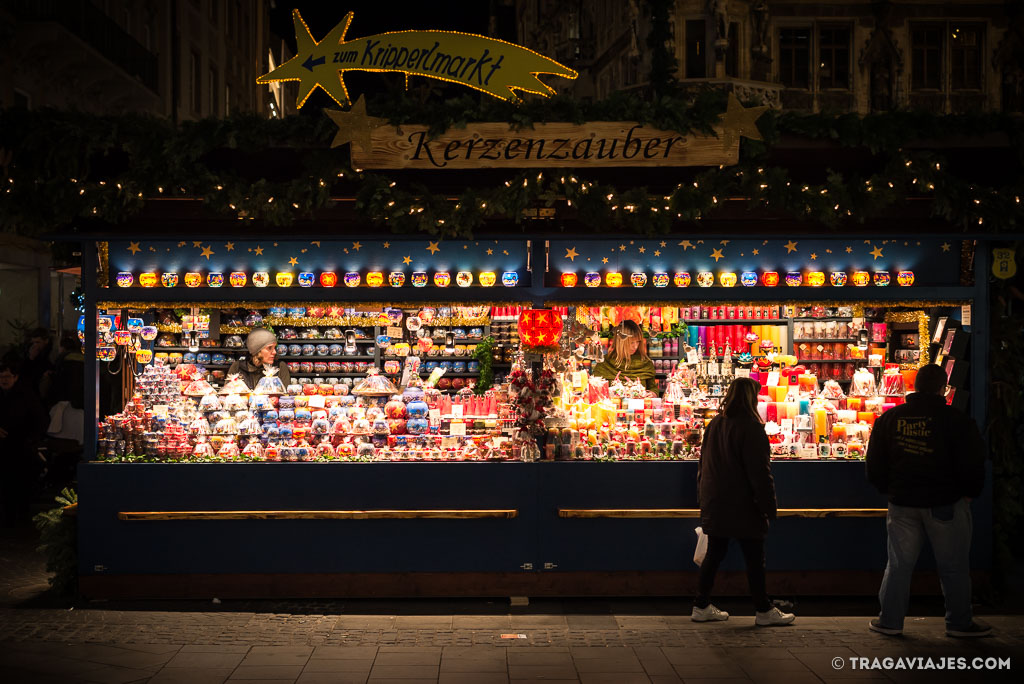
627	357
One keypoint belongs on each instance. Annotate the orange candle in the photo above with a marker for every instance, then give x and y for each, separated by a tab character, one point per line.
820	423
839	432
866	416
853	403
909	377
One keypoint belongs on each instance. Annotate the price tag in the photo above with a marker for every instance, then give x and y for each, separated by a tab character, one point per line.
160	410
742	372
434	415
965	315
577	380
457	410
773	379
635	405
457	429
394	332
317	401
691	357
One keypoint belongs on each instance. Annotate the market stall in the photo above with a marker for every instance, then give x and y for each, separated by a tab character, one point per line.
444	431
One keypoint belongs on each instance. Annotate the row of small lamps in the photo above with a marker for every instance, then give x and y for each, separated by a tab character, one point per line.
746	278
326	279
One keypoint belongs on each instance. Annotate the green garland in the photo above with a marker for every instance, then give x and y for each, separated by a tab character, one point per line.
58	539
66	165
484	353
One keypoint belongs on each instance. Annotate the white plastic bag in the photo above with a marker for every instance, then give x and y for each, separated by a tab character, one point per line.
702	546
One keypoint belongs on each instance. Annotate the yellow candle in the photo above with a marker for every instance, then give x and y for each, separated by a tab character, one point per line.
853	403
820	423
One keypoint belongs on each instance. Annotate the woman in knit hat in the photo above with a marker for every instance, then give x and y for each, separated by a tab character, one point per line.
262	347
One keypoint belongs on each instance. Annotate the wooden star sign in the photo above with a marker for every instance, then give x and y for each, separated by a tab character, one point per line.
354	126
740	122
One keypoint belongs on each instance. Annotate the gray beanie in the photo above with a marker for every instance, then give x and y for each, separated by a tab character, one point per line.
258	339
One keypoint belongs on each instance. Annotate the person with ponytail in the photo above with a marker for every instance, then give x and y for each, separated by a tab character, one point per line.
627	357
736	494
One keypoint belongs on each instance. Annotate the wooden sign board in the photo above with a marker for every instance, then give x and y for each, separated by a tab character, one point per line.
546	145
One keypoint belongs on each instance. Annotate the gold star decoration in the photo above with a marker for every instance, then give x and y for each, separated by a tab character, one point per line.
387	245
571	254
357	246
604	260
134	248
740	122
657	252
354	126
311	65
790	247
717	254
293	261
686	244
315	242
207	252
433	248
490	251
345	250
230	246
828	251
181	244
946	246
505	252
275	244
153	249
849	250
642	249
622	248
814	257
700	242
197	243
724	242
407	260
303	250
662	243
876	252
756	252
630	242
259	250
465	246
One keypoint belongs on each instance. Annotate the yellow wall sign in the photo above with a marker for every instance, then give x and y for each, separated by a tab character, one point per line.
1004	263
485	64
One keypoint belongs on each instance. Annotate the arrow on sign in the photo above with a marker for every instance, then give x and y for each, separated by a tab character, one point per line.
310	62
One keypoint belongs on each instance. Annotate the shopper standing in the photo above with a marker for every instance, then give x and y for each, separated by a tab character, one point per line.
22	423
929	459
736	492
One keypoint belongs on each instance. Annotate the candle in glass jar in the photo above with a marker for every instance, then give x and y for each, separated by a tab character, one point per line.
866	416
820	423
839	432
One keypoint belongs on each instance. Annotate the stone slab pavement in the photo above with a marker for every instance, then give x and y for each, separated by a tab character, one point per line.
592	641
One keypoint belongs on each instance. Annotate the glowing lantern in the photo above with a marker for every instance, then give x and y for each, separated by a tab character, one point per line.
905	278
569	280
143	355
661	280
106	353
328	279
882	278
135	326
613	279
260	278
748	279
705	279
122	337
284	279
681	279
838	278
638	279
374	279
352	279
794	279
509	278
463	278
125	279
307	279
237	279
442	279
169	279
816	278
539	328
770	278
419	279
487	279
193	279
149	279
727	279
592	279
861	278
214	279
396	278
149	332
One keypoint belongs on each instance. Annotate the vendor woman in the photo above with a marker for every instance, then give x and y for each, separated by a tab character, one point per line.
627	357
262	347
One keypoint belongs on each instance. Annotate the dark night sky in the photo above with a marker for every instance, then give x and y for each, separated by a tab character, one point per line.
378	17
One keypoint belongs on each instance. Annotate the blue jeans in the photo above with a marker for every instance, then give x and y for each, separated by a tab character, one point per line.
948	528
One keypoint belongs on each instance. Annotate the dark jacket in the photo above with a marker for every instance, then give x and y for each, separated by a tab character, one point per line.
735	488
251	374
925	453
23	417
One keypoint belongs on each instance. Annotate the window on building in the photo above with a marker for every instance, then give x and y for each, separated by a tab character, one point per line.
926	47
213	90
696	49
795	57
195	84
732	53
965	56
834	57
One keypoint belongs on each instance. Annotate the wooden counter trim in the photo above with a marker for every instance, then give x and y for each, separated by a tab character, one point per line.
695	512
447	514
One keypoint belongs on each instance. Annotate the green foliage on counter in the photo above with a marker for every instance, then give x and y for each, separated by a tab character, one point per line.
484	353
58	536
57	167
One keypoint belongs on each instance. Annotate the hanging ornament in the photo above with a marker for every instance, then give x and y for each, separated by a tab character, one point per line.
539	329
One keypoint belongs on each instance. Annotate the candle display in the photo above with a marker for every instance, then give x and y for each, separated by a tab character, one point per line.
815	278
509	278
284	279
149	280
487	279
592	279
463	278
794	278
681	279
569	279
328	279
770	278
442	279
661	280
125	279
374	279
169	279
727	279
748	279
838	278
882	278
237	279
861	278
193	279
905	278
613	279
352	279
214	279
638	279
705	279
396	279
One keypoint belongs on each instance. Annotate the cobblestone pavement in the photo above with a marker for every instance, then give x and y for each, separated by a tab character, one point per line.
460	642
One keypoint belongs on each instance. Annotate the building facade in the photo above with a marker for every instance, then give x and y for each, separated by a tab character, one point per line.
183	59
812	56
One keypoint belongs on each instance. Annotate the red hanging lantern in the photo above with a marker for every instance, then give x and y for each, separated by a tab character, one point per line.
539	328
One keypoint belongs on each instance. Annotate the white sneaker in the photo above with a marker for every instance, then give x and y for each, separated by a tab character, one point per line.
773	617
709	614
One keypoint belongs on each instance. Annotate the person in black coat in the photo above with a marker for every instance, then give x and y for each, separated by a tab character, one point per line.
736	493
22	424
